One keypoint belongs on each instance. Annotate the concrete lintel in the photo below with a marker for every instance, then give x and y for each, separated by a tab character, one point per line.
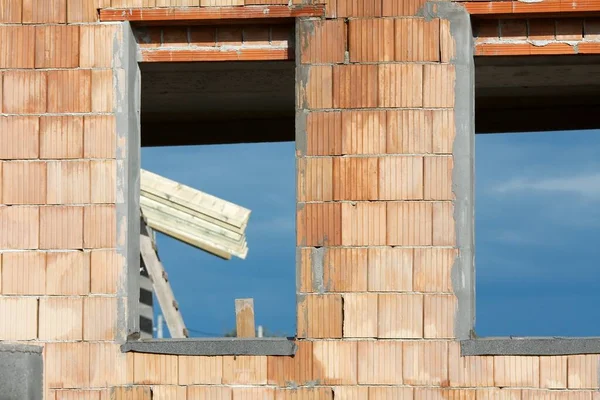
530	346
21	372
214	346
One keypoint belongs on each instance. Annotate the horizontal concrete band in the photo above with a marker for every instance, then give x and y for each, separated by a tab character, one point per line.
20	348
530	346
214	347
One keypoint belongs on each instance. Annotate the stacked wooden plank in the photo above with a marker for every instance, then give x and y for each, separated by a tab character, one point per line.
199	219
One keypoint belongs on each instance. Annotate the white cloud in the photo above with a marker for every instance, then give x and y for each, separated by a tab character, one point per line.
587	186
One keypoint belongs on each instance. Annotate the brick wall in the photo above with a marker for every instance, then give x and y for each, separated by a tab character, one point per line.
375	219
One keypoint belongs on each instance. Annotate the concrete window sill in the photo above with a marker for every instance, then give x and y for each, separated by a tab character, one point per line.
214	346
529	346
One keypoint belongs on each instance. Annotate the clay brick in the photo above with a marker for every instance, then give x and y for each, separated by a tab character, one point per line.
102	90
425	363
230	35
320	393
409	224
371	40
57	46
195	370
323	134
24	273
10	11
444	233
296	370
69	91
105	267
354	86
315	179
61	318
336	362
68	182
19	137
169	393
395	8
45	11
517	371
100	136
83	10
469	371
18	317
444	131
345	270
319	224
569	29
243	370
529	394
417	39
61	227
401	178
542	29
583	371
390	269
354	179
400	85
24	92
358	8
99	223
154	369
484	30
306	273
103	174
68	273
221	3
438	85
203	36
351	392
100	317
175	36
447	42
16	41
148	36
363	224
19	227
257	35
409	131
73	394
322	41
108	365
400	316
363	132
61	137
281	35
317	91
439	310
380	363
553	372
133	393
24	182
432	269
320	316
209	393
254	393
360	315
450	394
438	178
592	28
67	365
513	29
391	393
97	46
177	3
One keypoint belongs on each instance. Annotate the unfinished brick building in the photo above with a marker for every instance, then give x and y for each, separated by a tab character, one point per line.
384	120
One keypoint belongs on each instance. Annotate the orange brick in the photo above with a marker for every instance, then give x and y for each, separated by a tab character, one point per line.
322	41
24	273
355	178
100	317
57	46
380	363
74	394
103	174
61	137
24	92
443	224
306	278
169	393
175	36
69	182
69	91
400	316
102	90
19	227
360	315
19	137
425	363
18	316
553	372
154	369
542	29
61	227
100	136
469	371
317	91
68	273
444	131
108	365
358	8
320	393
45	11
451	394
394	8
417	39
390	269
447	42
137	393
195	370
569	29
10	11
61	318
583	371
409	224
438	85
409	131
245	370
177	3
253	393
83	10
592	28
336	362
209	393
148	36
400	85
203	36
351	392
97	46
354	86
433	270
371	40
345	270
16	41
517	371
401	178
513	29
438	178
323	133
438	320
105	267
67	365
315	179
24	182
391	393
319	224
487	29
320	316
256	35
99	224
281	35
297	370
363	132
364	224
229	35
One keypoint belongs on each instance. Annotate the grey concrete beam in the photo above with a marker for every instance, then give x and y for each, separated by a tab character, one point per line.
214	346
21	372
547	346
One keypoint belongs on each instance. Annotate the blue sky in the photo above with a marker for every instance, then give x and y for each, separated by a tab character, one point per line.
537	231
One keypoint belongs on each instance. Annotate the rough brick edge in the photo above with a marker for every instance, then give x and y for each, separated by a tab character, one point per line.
214	347
516	8
530	346
236	54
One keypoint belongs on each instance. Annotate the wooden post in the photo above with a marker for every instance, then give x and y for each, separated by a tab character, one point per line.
244	317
